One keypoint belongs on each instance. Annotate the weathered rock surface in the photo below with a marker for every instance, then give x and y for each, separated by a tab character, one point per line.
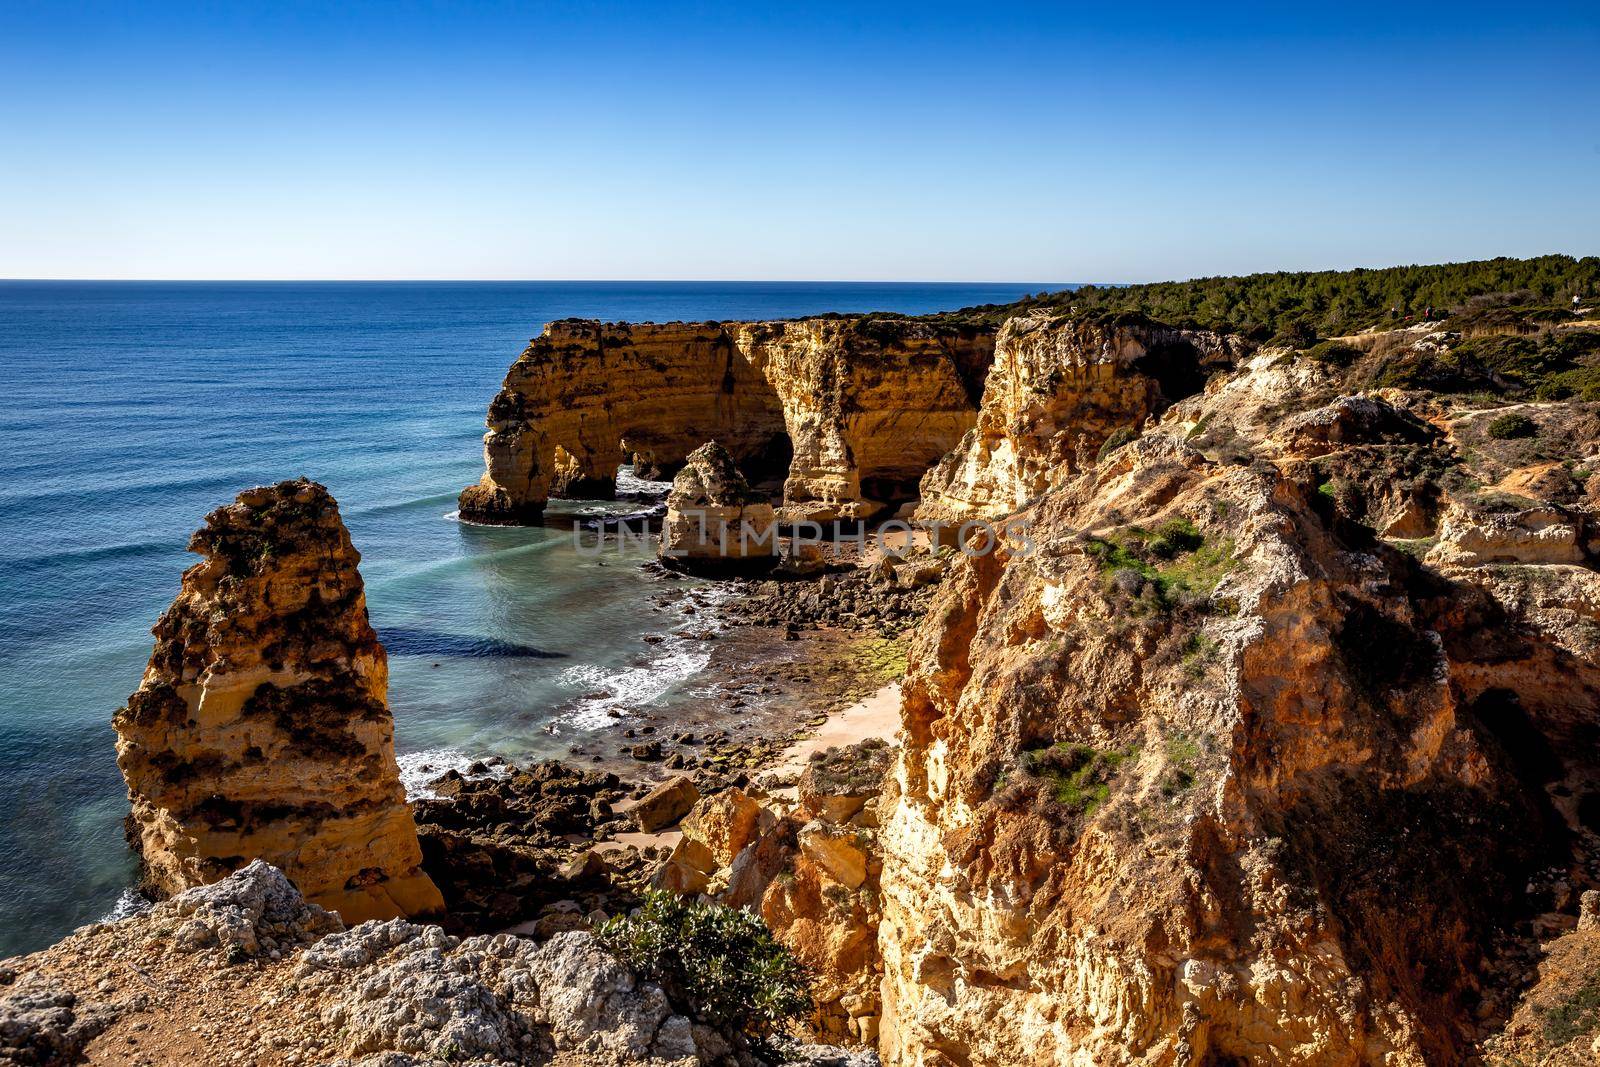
245	971
849	411
715	522
1059	387
260	730
810	870
56	1003
1214	774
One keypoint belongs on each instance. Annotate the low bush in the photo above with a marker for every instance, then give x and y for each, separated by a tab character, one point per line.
1333	352
1576	1016
720	964
1183	754
1506	427
1171	566
1119	437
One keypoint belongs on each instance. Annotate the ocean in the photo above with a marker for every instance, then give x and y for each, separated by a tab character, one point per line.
128	410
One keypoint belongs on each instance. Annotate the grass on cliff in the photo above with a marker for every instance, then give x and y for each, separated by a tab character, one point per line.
1576	1016
1169	567
1182	754
720	964
1075	779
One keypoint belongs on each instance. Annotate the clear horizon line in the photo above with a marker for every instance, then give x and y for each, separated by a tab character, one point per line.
560	281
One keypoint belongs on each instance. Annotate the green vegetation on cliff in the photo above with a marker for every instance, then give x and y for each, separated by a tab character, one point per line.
722	964
1301	306
1548	365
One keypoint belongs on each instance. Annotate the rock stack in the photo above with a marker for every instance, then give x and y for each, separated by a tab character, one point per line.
260	730
715	521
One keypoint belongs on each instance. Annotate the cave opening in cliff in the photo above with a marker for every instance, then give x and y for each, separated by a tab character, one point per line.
1176	366
767	465
890	489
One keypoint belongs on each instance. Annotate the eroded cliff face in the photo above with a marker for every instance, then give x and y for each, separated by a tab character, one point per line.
1059	387
260	730
1215	774
869	405
849	412
587	397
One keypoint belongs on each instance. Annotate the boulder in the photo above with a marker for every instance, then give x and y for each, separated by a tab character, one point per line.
835	852
725	823
665	804
680	878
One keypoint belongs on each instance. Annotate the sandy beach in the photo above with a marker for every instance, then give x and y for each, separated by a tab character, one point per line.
876	716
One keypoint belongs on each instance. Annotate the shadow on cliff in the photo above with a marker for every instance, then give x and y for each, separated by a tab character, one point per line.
403	641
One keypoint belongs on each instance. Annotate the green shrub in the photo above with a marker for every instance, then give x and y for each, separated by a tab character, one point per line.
1582	383
1199	652
1334	352
1552	365
1174	537
1119	437
1183	757
721	964
1175	563
1505	427
1297	333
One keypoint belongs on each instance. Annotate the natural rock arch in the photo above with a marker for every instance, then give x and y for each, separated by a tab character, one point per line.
847	407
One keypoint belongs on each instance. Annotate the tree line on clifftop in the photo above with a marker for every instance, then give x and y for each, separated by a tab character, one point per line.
1300	306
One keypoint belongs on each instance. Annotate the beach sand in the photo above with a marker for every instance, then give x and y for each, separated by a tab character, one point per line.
876	716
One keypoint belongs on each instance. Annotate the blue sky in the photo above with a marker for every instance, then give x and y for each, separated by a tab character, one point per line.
819	141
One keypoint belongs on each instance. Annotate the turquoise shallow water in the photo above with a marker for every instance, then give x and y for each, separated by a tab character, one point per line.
129	410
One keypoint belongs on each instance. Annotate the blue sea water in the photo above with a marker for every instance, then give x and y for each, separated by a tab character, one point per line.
128	410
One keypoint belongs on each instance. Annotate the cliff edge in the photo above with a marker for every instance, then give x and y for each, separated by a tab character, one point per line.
847	412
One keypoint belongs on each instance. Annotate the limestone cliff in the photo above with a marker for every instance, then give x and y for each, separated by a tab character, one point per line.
1215	774
260	730
848	411
1059	387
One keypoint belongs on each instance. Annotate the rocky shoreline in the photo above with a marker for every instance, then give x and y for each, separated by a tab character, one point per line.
511	844
785	653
